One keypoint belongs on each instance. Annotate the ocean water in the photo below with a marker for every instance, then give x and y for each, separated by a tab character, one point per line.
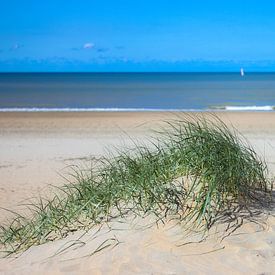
136	91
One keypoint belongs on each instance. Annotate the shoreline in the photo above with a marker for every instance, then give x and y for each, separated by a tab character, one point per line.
240	119
230	108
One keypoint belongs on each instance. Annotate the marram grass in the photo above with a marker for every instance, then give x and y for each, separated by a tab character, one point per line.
194	170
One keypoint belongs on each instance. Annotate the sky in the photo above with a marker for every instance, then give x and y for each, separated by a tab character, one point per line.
137	35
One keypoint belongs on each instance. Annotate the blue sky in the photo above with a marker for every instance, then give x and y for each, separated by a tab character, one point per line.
68	35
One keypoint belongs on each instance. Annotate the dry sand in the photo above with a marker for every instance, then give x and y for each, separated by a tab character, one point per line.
35	148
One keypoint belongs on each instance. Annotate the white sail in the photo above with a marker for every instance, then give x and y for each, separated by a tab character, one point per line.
242	72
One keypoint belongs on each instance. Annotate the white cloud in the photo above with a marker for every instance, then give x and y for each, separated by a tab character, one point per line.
88	45
16	46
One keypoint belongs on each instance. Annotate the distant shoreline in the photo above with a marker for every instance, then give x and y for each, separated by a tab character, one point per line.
213	109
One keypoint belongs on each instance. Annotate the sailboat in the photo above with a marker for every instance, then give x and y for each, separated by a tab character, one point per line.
242	72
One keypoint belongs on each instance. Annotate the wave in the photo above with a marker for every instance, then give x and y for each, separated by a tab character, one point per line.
96	110
243	108
215	108
250	108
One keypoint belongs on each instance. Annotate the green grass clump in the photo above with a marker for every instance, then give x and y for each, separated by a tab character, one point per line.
193	171
224	169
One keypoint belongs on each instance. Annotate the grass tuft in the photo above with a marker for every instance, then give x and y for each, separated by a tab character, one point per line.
194	170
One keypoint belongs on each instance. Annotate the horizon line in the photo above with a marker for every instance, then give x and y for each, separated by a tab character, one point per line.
118	72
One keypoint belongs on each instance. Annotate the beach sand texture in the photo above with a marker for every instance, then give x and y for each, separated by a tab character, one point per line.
37	147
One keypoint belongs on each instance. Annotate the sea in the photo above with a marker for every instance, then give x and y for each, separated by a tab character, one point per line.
46	92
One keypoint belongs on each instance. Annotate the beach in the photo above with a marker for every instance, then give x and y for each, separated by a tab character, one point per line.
38	151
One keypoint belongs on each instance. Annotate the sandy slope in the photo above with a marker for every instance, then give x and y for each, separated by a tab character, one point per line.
34	147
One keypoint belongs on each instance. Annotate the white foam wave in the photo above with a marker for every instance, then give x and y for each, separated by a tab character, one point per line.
219	108
94	110
249	108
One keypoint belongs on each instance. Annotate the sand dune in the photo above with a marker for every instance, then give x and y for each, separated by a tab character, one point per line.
34	147
133	248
